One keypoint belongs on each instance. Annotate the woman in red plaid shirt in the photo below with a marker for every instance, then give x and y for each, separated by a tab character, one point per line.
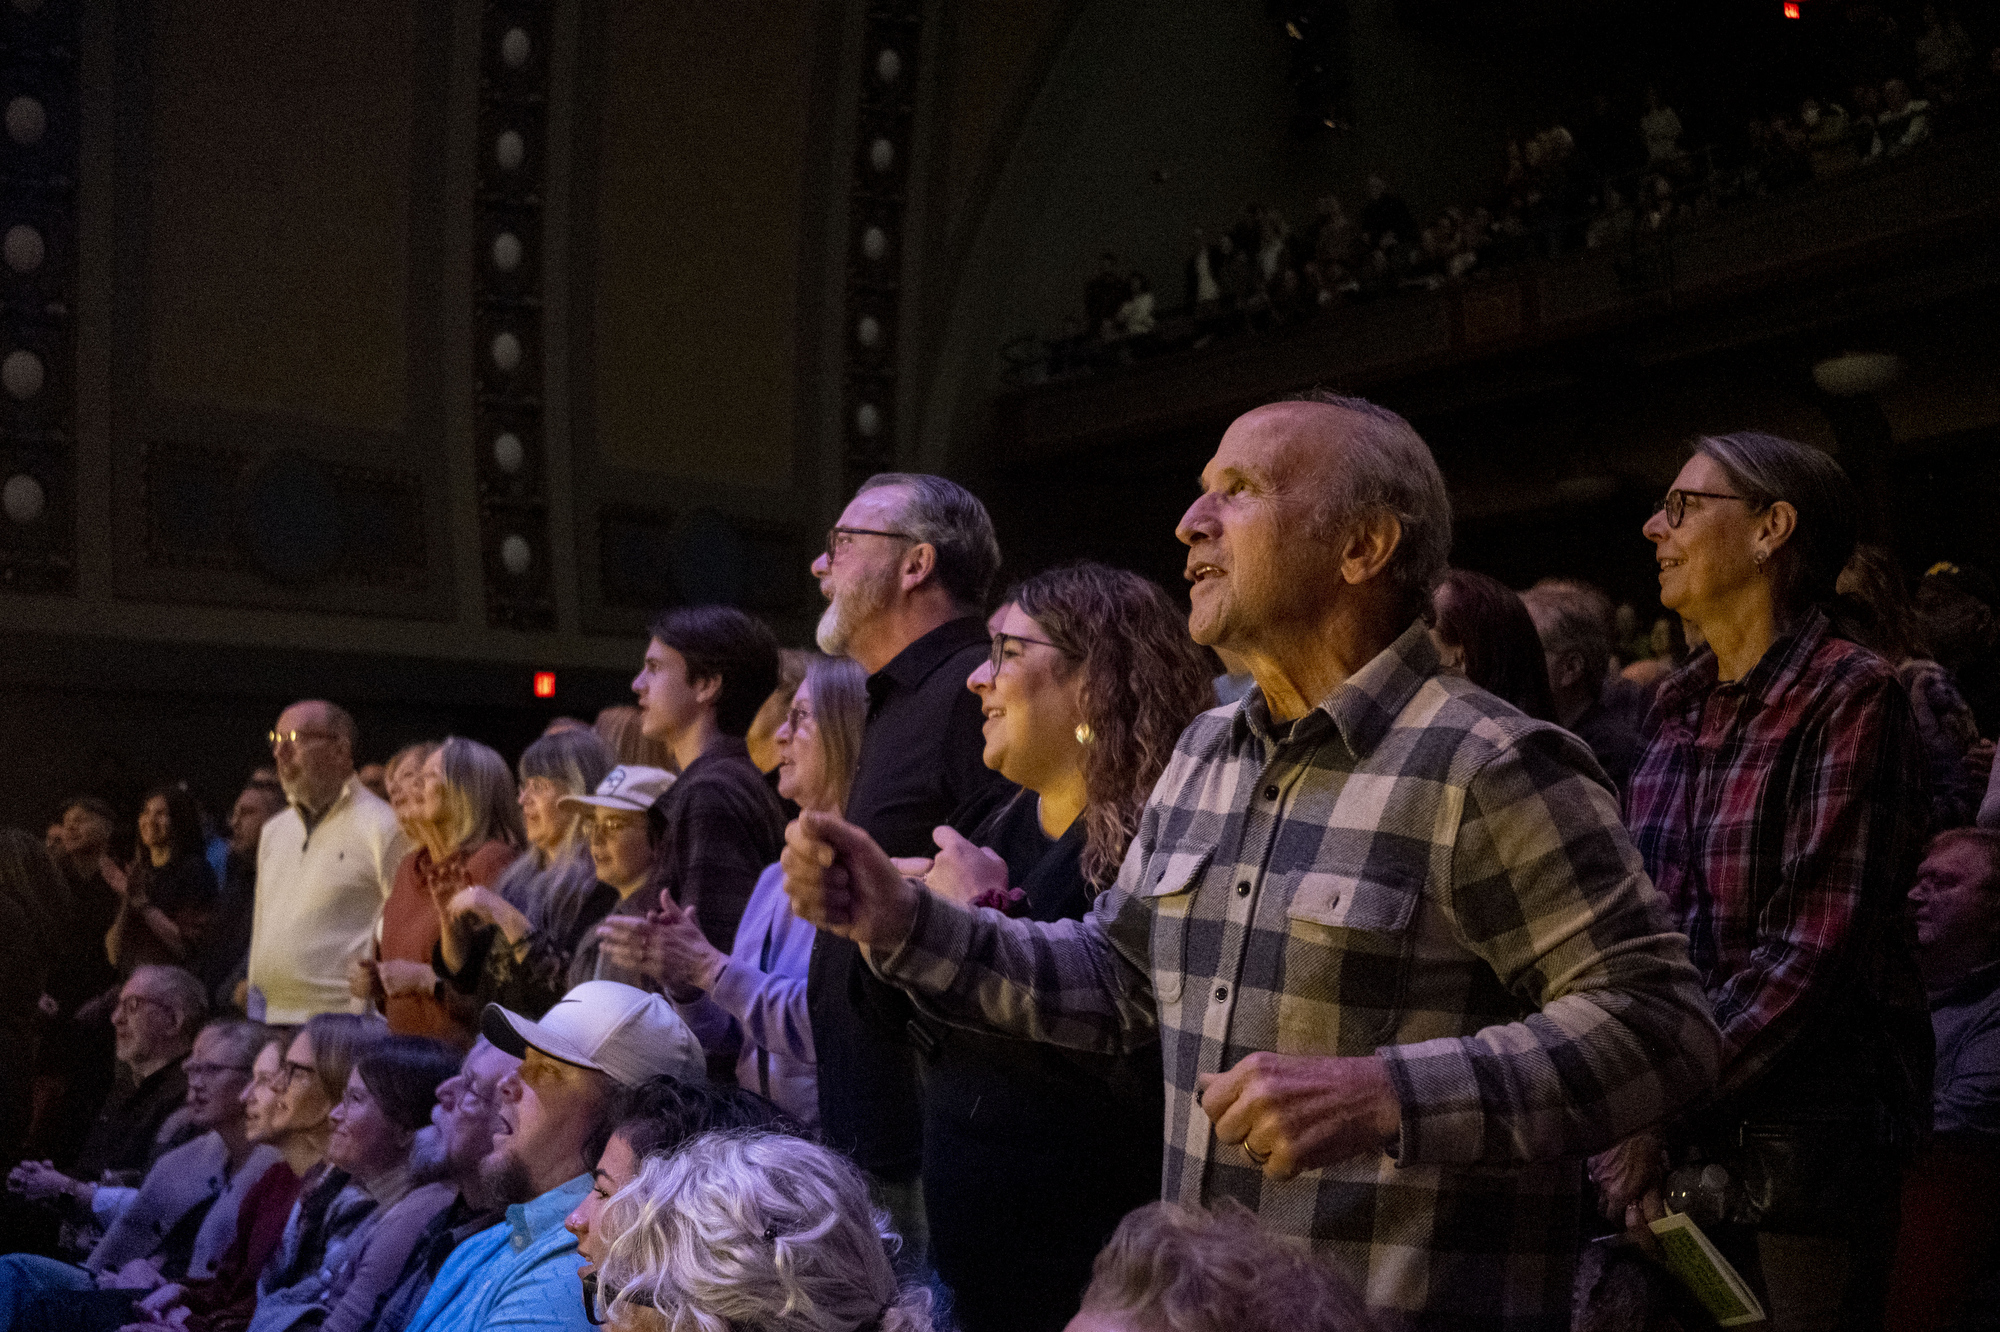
1780	807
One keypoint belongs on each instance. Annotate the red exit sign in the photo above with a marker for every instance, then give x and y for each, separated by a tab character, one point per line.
545	684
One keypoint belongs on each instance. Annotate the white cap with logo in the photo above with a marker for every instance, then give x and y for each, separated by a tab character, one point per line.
629	786
615	1029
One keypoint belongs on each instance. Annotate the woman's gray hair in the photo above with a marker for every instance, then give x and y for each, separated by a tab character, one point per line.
1388	469
479	796
739	1230
951	520
1765	469
839	688
576	761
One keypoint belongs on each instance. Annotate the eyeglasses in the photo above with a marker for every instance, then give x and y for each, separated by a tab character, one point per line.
797	718
592	1288
289	1071
129	1004
1000	641
840	538
295	738
211	1070
1676	502
611	825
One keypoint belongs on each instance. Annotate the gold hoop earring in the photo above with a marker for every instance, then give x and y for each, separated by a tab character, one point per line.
1083	733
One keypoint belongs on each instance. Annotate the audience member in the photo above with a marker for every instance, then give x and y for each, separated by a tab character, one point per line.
511	944
168	892
451	1152
404	784
1905	121
708	670
1881	617
1192	1270
557	1110
905	573
468	831
223	958
621	823
1780	808
73	1060
1321	530
389	1096
1946	1261
324	868
374	776
1386	218
1574	621
1091	680
655	1119
1484	633
748	1006
752	1230
159	1011
1955	611
177	1224
622	730
36	917
762	738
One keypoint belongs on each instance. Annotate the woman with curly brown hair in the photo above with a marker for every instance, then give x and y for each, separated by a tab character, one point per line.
1032	1154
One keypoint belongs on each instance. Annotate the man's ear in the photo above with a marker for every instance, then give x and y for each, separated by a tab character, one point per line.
1370	542
706	689
919	563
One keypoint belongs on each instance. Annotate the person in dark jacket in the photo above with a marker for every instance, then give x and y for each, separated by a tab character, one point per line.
168	892
1090	680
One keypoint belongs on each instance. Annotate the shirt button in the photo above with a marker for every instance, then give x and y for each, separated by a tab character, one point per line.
1270	793
1243	888
1221	992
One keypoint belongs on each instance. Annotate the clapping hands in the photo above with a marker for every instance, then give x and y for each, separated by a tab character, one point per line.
665	944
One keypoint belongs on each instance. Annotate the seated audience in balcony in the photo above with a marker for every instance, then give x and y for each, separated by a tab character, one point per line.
1660	128
511	944
1944	54
1135	315
1196	1270
167	893
467	827
752	1230
1905	121
748	1006
1386	217
1484	633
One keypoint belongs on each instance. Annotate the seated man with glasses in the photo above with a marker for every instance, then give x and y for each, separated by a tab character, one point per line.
178	1224
158	1013
324	868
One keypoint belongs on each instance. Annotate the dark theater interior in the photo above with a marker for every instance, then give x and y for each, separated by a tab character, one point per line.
642	644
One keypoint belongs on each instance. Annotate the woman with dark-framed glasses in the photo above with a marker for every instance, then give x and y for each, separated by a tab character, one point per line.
752	1000
1780	808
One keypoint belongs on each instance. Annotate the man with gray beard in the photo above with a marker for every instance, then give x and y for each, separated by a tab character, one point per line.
906	573
451	1151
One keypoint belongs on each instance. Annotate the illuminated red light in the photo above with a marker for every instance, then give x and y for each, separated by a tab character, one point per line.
545	684
1791	9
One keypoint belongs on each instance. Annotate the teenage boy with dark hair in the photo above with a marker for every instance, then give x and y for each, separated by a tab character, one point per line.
707	671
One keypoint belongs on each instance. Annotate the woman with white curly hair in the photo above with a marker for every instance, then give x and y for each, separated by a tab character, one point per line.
741	1230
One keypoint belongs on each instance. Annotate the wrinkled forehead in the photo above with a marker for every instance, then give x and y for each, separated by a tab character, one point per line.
1284	442
300	716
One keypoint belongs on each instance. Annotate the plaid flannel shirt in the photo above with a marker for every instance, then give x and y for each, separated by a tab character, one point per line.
1417	870
1782	816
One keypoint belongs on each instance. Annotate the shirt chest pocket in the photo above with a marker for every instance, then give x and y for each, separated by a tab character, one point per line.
1170	889
1348	944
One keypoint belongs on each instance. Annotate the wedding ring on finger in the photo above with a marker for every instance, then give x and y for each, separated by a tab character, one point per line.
1256	1157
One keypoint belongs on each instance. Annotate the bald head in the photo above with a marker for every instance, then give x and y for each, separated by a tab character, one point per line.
314	752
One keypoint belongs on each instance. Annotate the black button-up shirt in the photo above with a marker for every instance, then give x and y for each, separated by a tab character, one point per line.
920	767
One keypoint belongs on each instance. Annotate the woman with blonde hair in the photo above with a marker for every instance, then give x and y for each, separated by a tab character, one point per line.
468	830
742	1230
511	943
618	728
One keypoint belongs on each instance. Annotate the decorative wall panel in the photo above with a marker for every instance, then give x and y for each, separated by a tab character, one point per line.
508	327
38	231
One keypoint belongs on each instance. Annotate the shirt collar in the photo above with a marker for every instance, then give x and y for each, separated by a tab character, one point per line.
914	664
1775	672
722	747
528	1221
1973	986
1367	703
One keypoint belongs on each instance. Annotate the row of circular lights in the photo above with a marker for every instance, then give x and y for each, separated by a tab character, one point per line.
506	350
22	374
875	243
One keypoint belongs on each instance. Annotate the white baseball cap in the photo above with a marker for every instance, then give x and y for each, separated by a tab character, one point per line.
616	1029
629	786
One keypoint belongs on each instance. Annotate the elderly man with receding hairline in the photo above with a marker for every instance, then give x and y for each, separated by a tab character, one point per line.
1404	963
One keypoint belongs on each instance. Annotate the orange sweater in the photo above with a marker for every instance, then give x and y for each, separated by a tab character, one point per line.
410	932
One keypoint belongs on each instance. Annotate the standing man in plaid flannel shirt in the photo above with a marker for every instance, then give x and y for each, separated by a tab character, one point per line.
1404	963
